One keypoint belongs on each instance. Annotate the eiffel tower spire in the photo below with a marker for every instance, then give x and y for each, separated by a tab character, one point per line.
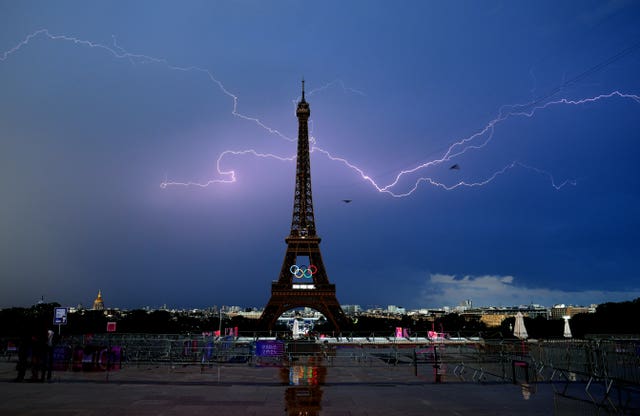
303	223
303	278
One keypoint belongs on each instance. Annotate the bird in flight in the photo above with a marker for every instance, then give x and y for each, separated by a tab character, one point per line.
455	167
346	201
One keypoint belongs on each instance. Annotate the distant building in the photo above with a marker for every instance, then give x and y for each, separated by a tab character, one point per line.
351	309
465	305
249	314
493	320
433	313
561	310
98	304
396	310
493	316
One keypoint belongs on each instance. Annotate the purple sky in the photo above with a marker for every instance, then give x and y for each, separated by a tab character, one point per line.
101	103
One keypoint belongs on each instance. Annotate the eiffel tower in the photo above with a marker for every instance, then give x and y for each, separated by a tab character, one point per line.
303	284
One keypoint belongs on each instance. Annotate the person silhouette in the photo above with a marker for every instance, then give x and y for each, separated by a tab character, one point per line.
47	356
24	351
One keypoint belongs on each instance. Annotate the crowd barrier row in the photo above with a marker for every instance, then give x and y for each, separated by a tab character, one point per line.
617	360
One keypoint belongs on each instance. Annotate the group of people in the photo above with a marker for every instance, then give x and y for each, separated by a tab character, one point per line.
35	353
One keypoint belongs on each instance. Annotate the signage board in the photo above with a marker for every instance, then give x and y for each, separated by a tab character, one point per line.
60	316
269	348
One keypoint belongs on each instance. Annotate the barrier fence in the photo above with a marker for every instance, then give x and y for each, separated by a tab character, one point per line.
601	365
611	359
476	360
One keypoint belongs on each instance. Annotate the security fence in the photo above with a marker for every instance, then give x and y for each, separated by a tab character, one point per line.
612	360
607	370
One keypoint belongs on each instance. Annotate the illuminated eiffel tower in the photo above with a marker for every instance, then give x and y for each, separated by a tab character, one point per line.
303	279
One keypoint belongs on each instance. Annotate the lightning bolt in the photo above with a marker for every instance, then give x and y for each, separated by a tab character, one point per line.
325	87
476	141
229	174
338	82
119	53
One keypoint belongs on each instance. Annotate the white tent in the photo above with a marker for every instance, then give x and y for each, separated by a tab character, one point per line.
567	328
519	330
296	329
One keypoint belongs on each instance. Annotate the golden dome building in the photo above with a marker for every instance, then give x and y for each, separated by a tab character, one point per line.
98	304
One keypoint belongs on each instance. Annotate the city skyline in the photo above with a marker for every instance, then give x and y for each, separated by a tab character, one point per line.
462	304
459	151
491	313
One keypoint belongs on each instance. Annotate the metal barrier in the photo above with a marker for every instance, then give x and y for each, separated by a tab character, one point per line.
614	363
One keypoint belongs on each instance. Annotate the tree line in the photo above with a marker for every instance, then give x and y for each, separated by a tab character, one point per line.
609	319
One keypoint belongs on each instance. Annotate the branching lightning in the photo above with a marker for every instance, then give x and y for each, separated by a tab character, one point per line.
229	174
118	52
482	137
476	141
331	84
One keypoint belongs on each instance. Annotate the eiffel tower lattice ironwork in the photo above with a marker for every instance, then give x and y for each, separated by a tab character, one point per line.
303	285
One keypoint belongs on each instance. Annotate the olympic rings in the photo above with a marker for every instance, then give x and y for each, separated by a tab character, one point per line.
303	271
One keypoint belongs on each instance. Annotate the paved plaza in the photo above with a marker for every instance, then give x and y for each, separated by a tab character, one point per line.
241	389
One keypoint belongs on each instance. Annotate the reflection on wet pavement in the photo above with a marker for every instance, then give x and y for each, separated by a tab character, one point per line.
304	376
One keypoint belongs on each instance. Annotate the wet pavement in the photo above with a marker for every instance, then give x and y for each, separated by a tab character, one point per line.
305	388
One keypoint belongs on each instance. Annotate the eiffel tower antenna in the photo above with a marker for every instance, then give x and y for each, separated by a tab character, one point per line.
303	280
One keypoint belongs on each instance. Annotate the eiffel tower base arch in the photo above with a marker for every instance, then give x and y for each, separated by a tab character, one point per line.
322	300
